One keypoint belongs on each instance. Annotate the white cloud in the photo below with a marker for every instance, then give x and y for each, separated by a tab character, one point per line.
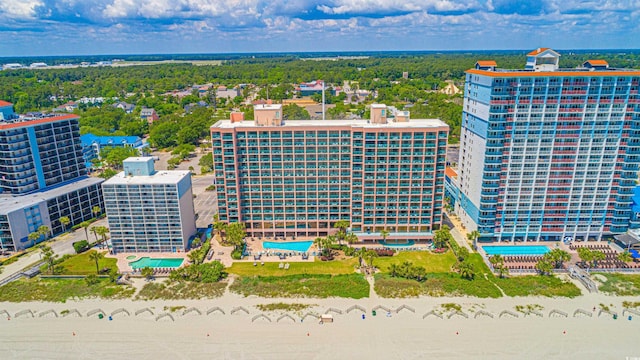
19	9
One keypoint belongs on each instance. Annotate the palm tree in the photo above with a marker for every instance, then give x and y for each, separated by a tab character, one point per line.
384	233
96	256
625	256
44	231
544	266
102	231
85	225
558	257
320	243
94	230
360	253
393	270
473	236
369	256
34	237
342	226
351	238
49	257
96	211
64	221
466	270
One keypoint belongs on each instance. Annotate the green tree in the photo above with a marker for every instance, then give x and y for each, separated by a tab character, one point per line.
369	257
342	226
473	236
236	234
114	156
295	112
384	233
441	237
49	257
44	231
102	231
351	238
34	237
558	257
147	272
586	255
96	257
96	210
85	225
625	256
91	279
497	261
94	230
466	269
206	163
544	266
164	134
64	221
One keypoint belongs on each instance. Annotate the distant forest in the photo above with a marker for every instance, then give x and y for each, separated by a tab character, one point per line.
144	85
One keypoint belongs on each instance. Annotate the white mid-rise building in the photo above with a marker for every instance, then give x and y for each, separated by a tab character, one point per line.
148	210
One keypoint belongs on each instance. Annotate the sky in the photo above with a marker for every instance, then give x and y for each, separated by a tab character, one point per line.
87	27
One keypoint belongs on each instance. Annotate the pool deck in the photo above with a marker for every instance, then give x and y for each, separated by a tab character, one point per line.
123	263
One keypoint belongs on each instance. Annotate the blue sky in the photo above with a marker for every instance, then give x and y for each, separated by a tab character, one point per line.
70	27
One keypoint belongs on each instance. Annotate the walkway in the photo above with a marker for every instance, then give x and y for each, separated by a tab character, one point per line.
458	233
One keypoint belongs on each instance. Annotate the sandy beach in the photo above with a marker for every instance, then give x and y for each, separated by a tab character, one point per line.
402	335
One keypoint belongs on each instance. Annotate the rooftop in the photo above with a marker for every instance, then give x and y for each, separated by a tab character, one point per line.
268	107
24	121
413	123
158	178
9	203
108	140
5	103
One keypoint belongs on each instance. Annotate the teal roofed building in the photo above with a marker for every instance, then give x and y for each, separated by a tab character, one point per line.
92	145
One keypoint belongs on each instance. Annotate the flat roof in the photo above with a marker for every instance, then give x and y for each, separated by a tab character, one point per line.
10	203
411	124
559	72
267	106
31	121
161	177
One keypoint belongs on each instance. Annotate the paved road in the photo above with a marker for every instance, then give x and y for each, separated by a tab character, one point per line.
205	203
61	245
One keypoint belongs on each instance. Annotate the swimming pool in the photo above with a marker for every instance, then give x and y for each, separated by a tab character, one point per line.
408	243
516	250
156	263
299	246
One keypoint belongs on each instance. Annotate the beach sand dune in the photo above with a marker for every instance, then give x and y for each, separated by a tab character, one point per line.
404	335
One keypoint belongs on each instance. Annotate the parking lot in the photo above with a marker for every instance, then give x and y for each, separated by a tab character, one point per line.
205	202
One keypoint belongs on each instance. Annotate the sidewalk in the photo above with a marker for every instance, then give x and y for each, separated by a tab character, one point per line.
19	265
458	233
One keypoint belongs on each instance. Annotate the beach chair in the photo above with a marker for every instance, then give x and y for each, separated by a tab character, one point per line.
255	263
281	266
286	266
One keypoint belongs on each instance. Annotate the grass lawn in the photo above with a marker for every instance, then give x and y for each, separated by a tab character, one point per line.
61	290
335	267
437	284
81	265
181	290
435	263
621	284
536	285
353	286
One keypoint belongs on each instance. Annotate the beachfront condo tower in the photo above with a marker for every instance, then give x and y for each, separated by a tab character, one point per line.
548	153
42	176
148	210
297	178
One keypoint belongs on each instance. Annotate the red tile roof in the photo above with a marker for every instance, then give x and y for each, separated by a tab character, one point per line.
552	73
486	63
5	103
25	123
597	62
537	51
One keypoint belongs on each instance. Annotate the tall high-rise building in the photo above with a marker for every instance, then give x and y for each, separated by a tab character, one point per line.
42	176
37	151
297	178
148	210
549	153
